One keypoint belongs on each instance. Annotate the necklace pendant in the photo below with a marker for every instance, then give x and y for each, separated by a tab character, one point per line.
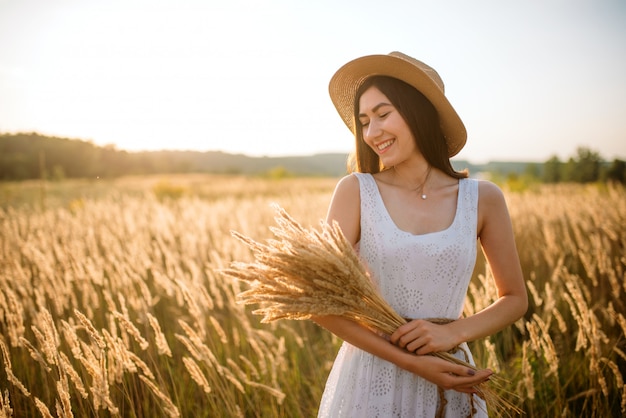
424	196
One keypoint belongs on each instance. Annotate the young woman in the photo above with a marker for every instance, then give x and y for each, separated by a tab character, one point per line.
415	222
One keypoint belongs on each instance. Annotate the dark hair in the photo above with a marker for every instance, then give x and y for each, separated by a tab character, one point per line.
418	113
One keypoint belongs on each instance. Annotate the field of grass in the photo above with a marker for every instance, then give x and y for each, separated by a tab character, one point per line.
111	303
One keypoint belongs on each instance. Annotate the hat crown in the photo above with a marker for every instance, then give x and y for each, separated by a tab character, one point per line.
427	69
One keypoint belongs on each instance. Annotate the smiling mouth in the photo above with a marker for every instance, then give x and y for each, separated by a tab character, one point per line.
384	145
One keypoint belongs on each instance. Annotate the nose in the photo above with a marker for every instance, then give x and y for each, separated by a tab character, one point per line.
372	130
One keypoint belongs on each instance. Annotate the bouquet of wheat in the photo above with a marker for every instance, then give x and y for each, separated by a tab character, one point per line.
307	272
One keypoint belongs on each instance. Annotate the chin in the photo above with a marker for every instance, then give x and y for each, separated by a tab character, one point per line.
388	162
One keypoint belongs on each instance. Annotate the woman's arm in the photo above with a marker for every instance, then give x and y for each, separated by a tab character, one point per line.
345	209
496	237
438	371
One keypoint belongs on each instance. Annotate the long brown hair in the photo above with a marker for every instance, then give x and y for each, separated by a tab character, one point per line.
418	113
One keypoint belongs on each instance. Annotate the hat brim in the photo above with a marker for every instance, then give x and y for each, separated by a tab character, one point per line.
347	80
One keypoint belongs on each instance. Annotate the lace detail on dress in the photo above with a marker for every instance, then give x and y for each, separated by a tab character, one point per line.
421	276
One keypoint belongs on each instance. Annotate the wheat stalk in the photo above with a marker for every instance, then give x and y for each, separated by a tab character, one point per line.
308	272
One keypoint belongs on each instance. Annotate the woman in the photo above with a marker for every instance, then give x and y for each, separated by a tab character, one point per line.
415	222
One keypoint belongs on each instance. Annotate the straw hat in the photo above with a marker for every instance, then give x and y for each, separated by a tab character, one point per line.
347	80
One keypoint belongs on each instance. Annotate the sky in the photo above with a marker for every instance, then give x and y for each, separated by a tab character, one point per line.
531	79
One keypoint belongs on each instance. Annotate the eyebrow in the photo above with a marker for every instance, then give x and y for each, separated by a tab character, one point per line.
375	108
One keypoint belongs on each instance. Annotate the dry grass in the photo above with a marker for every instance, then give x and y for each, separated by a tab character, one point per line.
111	305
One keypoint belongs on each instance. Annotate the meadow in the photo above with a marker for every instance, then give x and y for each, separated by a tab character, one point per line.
112	304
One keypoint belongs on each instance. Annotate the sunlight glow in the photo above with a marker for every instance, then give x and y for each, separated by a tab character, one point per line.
251	77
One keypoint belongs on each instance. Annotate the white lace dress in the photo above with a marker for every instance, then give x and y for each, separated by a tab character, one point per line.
421	276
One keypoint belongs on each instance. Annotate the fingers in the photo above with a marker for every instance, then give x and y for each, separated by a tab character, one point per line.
473	390
451	376
470	383
467	383
423	337
407	333
398	334
420	347
419	344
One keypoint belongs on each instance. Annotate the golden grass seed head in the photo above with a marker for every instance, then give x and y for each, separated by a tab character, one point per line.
168	406
197	346
118	360
5	405
163	347
527	372
250	366
533	291
14	314
559	320
196	374
228	375
41	407
190	346
91	330
132	330
218	329
69	370
278	394
16	382
35	354
192	306
64	408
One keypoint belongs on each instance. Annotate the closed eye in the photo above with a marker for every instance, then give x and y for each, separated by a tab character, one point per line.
381	116
379	107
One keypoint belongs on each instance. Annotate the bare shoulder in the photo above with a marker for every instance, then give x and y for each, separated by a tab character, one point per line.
345	207
489	193
493	214
348	184
347	193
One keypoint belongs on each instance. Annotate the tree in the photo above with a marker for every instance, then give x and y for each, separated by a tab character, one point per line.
552	170
587	166
617	171
532	171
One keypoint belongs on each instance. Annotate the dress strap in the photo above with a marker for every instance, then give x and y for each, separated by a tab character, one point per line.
468	204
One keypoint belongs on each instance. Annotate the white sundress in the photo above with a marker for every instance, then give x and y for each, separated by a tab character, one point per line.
420	276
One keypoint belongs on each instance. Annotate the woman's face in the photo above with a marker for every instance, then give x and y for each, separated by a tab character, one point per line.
384	129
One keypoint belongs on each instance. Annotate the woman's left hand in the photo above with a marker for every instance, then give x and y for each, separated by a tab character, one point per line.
422	337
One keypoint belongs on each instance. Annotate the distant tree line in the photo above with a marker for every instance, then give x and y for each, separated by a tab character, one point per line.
586	167
32	156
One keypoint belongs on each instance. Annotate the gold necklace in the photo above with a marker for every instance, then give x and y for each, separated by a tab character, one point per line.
420	188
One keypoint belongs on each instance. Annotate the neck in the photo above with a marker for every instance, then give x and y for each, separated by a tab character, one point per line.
411	182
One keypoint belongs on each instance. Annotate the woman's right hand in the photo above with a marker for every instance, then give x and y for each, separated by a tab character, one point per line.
448	375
